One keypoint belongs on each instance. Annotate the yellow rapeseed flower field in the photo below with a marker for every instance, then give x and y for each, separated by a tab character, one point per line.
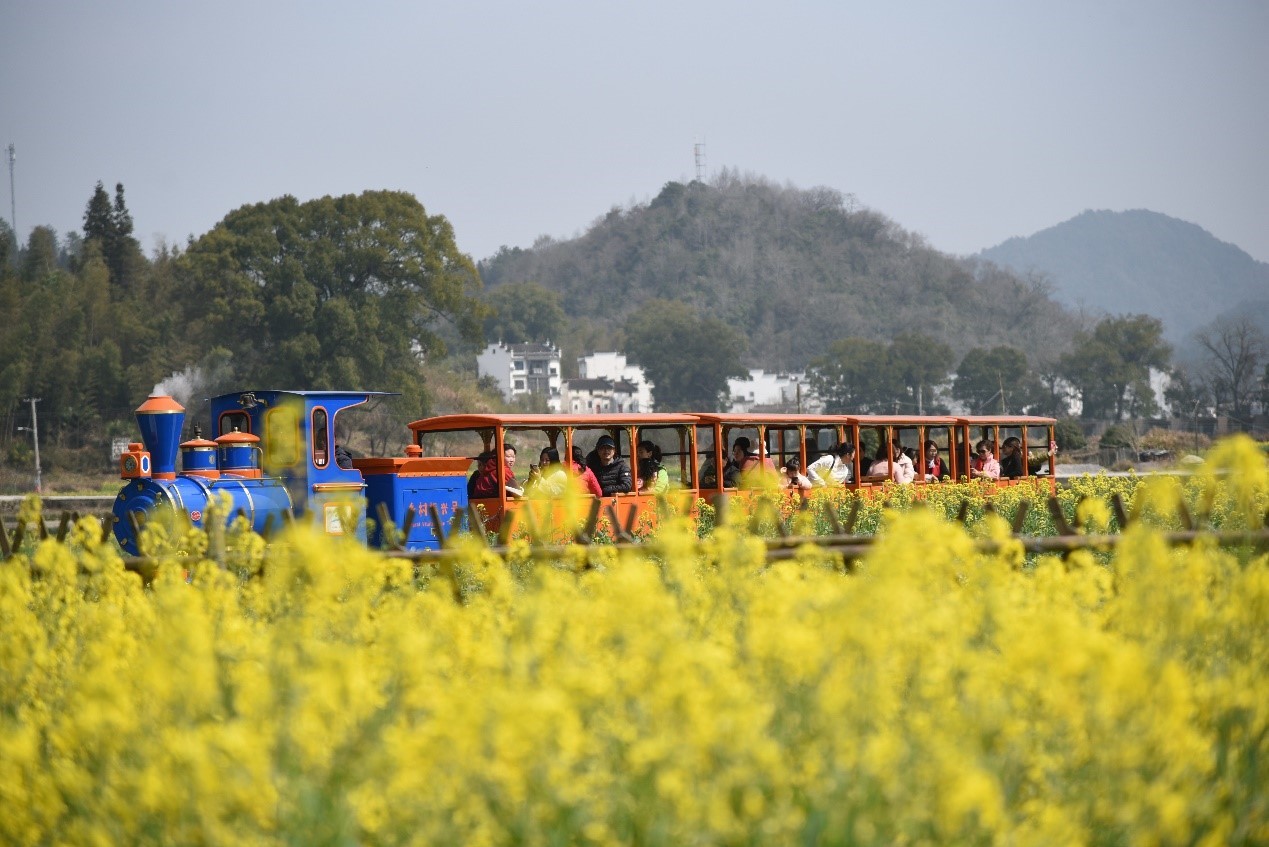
686	692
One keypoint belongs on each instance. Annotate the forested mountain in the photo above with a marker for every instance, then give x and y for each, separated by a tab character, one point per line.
1142	262
792	269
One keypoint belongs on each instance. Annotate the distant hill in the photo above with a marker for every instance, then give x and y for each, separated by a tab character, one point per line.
794	269
1142	262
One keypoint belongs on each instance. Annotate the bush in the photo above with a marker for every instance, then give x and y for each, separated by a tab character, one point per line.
1175	441
1119	436
1069	435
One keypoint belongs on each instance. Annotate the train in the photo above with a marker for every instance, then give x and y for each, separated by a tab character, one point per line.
272	457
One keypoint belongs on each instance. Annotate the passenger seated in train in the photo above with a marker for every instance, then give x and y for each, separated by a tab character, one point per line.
343	458
547	479
792	478
653	478
509	453
587	477
610	470
748	464
837	467
984	464
1011	458
483	483
893	463
936	467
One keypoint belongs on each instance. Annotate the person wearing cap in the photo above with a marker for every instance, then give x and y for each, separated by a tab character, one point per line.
610	470
836	467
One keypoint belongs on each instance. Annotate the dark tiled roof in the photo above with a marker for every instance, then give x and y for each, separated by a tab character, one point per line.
525	349
589	385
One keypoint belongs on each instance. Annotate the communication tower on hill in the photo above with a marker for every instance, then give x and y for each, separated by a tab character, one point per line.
699	149
13	201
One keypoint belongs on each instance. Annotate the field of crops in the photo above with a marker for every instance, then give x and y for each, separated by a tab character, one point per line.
687	691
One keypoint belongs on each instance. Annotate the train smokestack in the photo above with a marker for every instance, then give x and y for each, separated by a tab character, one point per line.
160	419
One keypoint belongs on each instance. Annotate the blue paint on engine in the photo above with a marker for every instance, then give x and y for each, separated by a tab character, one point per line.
296	473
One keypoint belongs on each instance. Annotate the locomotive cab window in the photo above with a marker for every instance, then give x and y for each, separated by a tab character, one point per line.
282	437
320	438
234	422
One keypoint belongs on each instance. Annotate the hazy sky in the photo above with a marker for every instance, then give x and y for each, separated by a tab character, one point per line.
967	122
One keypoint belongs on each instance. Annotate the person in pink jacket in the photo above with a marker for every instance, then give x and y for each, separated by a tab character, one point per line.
984	465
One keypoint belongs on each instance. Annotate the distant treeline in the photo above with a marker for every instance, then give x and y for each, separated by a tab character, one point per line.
348	292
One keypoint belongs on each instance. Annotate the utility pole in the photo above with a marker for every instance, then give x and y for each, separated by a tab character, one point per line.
35	437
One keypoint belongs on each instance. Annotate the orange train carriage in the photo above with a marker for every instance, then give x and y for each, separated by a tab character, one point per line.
693	445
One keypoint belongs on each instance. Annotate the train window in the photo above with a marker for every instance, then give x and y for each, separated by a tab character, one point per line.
529	444
1010	451
909	438
321	439
282	443
870	438
1037	445
587	438
783	443
464	442
706	467
942	438
675	451
819	440
234	422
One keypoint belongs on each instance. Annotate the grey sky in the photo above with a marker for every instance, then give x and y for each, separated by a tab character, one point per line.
967	122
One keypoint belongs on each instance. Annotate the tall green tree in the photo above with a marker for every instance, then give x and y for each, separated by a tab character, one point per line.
99	216
992	380
1110	366
920	363
110	226
524	311
339	292
856	375
1185	396
687	358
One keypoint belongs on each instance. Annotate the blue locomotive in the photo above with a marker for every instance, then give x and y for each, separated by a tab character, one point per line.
272	457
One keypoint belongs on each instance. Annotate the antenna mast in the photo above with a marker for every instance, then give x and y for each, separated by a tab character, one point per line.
699	150
13	201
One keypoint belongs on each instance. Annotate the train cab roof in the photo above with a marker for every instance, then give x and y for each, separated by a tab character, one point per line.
271	396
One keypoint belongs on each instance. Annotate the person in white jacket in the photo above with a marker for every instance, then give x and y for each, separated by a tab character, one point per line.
834	468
